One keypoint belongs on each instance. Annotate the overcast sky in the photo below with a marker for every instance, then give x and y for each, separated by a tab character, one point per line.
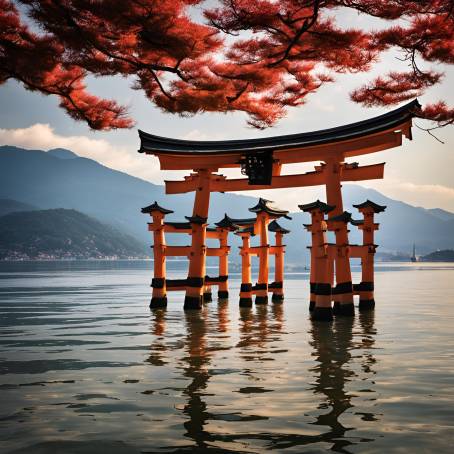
420	172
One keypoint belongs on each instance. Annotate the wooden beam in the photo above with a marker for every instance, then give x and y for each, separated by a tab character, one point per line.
171	229
358	251
371	172
177	251
217	251
272	250
316	178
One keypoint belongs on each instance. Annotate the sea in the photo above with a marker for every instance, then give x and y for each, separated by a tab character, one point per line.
86	367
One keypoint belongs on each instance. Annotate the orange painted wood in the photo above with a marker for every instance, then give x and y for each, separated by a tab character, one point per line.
177	251
224	258
370	172
272	250
263	220
358	251
333	171
278	262
217	251
197	257
159	247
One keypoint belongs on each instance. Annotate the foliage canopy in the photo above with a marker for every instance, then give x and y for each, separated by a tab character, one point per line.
255	56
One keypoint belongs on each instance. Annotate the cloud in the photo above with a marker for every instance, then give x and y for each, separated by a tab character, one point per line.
195	134
425	195
43	137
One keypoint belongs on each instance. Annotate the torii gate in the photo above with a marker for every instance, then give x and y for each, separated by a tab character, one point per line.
262	161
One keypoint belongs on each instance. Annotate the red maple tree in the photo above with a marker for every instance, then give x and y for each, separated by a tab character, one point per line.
260	57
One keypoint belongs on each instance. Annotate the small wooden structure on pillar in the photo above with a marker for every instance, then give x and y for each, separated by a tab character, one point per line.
262	161
325	259
365	289
161	250
265	222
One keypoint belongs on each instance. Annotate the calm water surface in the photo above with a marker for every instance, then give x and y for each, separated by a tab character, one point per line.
85	367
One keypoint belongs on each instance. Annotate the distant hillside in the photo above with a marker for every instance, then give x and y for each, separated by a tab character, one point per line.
45	180
442	214
10	206
62	153
439	256
62	233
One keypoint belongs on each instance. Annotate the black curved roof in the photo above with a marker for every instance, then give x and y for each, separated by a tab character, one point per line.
345	217
317	205
227	221
276	227
268	207
234	223
249	229
155	207
178	225
164	145
369	204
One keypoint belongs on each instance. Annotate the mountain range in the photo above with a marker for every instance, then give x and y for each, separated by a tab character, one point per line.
62	234
59	178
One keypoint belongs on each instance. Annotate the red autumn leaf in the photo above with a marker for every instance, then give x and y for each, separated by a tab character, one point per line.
259	57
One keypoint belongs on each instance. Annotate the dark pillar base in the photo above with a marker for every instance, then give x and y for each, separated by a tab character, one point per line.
158	302
366	305
346	310
322	314
261	299
311	306
223	294
275	298
207	297
192	302
245	302
336	308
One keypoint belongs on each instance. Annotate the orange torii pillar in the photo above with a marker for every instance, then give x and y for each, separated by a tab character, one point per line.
159	295
320	261
197	257
207	294
223	288
246	275
332	171
223	227
366	288
261	295
343	292
278	284
221	234
265	212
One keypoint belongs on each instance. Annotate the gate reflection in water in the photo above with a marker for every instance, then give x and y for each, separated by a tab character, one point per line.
334	350
85	367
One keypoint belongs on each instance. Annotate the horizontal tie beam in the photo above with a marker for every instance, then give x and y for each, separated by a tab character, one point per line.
317	178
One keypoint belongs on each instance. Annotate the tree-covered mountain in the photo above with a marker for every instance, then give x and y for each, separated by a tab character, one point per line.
439	256
62	233
47	181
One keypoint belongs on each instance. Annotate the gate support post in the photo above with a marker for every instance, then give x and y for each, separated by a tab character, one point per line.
158	283
344	287
197	256
223	289
262	282
320	258
366	288
246	277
